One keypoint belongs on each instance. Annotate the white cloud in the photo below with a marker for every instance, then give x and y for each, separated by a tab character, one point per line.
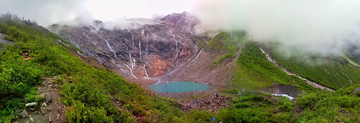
314	24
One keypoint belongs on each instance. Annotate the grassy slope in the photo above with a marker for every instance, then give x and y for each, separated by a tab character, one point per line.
254	71
322	106
85	90
314	106
351	60
226	42
336	75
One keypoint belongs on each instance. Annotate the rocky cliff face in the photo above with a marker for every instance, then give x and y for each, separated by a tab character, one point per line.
151	50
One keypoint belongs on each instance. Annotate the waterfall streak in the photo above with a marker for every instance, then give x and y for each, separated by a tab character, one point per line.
192	60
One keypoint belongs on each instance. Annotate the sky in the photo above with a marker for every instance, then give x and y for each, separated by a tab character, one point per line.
321	26
47	12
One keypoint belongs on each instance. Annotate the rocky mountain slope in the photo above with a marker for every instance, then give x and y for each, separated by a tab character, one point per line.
148	50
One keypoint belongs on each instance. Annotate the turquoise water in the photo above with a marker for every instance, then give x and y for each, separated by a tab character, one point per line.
178	87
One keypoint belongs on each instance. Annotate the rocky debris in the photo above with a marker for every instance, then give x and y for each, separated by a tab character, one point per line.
50	105
47	98
23	114
212	104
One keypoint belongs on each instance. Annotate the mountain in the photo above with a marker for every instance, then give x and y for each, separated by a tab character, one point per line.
160	50
97	73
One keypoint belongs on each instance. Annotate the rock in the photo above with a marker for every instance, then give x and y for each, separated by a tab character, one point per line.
33	104
32	119
43	104
23	113
43	112
47	98
50	119
37	112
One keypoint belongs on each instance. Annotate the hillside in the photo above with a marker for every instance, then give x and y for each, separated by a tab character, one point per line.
331	71
233	65
87	92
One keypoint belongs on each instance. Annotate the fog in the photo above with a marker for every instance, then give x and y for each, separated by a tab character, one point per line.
46	12
319	26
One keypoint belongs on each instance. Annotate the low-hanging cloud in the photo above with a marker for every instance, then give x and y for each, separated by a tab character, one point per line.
324	26
316	25
46	12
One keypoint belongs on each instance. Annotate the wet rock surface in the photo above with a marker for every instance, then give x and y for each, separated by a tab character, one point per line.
144	49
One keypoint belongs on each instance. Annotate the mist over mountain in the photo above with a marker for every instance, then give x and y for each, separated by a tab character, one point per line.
321	26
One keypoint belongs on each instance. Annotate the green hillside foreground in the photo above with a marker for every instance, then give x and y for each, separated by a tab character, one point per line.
86	90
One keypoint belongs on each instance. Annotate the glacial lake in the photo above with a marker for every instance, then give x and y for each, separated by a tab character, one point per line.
178	87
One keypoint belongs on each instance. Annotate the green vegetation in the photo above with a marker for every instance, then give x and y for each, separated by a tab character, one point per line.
322	106
332	71
86	90
254	71
226	42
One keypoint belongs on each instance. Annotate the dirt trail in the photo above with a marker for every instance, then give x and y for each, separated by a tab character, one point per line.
351	62
288	72
54	111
